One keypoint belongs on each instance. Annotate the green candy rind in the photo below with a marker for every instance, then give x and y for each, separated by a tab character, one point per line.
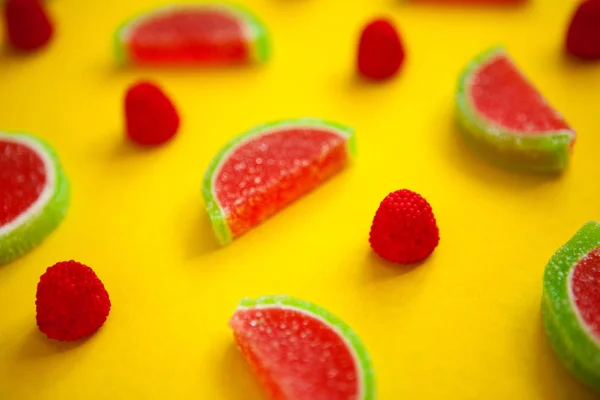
547	152
217	217
33	231
350	337
574	346
260	44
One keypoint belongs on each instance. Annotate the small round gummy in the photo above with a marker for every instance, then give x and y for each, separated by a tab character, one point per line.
71	301
380	50
150	116
404	229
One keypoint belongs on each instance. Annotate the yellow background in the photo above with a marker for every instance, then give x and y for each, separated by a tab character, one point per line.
463	325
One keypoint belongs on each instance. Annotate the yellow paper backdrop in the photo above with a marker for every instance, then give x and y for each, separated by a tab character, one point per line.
464	325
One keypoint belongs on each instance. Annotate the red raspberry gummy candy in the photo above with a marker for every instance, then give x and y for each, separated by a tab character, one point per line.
583	35
404	229
71	302
27	25
380	50
150	116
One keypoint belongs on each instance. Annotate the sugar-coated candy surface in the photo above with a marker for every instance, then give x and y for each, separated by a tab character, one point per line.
193	34
583	33
264	170
571	304
506	118
71	302
301	352
27	24
150	116
404	229
34	193
23	178
380	50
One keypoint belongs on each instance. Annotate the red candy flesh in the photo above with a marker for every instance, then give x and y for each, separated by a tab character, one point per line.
22	179
404	229
380	50
502	94
583	34
295	355
71	302
264	175
27	25
189	36
586	290
150	116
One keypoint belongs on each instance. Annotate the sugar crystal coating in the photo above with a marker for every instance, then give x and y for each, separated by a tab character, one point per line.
404	229
34	194
571	304
71	302
22	179
300	355
266	169
506	119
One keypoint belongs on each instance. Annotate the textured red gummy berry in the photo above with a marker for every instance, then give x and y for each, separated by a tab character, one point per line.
150	115
404	229
71	302
583	35
27	24
380	50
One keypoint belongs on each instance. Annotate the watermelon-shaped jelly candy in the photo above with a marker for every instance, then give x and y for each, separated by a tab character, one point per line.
571	304
193	34
260	172
299	351
508	120
34	193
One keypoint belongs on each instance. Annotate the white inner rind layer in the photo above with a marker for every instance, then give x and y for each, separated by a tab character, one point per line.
249	31
588	330
49	187
340	334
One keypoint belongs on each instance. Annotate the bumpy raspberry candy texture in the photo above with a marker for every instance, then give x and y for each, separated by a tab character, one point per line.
380	50
583	34
34	193
404	229
193	34
571	304
260	172
27	24
71	302
150	116
506	119
300	351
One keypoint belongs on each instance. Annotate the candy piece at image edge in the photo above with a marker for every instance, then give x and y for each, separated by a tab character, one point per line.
571	304
506	119
25	225
280	336
27	24
583	32
260	172
249	42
